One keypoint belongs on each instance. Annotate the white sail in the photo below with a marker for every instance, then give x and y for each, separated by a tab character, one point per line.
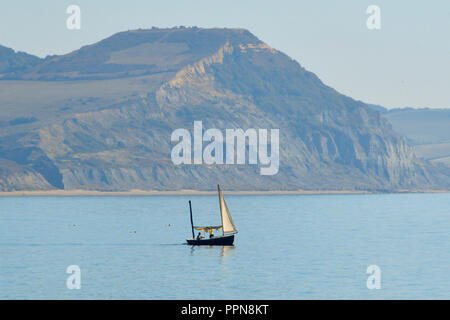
227	221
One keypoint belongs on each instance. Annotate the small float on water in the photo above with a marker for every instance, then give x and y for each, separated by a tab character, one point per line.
228	228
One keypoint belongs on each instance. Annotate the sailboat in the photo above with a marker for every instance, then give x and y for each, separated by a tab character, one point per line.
228	227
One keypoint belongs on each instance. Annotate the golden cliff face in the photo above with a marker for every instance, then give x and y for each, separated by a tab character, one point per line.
193	77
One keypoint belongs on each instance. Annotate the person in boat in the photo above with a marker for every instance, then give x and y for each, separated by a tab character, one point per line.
211	234
199	236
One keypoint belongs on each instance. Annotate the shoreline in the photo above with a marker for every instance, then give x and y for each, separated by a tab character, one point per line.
73	193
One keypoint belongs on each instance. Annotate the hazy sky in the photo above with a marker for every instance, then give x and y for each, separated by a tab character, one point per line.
405	63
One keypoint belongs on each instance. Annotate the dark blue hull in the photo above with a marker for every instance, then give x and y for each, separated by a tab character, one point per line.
216	241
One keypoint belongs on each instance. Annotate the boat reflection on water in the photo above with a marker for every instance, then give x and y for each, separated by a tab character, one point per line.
225	251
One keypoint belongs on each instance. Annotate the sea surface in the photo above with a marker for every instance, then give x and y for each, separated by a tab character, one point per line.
288	247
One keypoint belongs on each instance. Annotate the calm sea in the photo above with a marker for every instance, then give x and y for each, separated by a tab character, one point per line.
288	247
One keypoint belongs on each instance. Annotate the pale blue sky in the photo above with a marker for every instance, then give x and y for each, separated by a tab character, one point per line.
406	63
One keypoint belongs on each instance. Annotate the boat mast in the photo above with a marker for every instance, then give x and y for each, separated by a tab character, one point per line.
192	221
